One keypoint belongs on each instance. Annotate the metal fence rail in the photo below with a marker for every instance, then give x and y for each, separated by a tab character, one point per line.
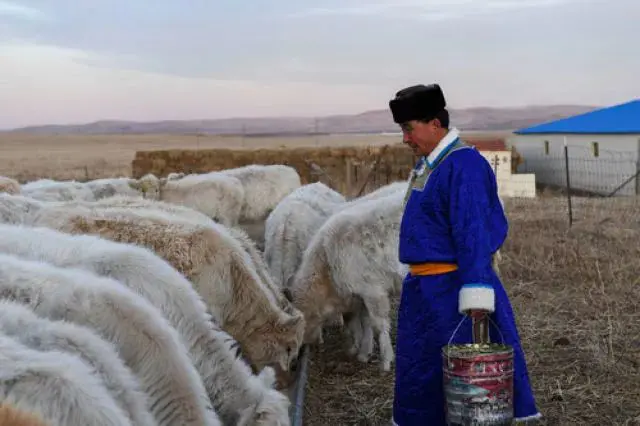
297	406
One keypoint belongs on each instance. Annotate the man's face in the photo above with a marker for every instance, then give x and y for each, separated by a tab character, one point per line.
421	137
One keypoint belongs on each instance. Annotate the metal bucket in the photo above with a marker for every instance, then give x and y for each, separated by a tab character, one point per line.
478	384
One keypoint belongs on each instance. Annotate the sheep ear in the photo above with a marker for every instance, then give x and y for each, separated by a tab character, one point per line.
293	321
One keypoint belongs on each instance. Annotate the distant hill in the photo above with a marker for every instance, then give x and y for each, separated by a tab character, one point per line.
477	119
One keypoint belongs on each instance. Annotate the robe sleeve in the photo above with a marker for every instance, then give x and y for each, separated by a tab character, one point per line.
470	211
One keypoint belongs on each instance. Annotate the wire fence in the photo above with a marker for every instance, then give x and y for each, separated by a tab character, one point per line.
578	172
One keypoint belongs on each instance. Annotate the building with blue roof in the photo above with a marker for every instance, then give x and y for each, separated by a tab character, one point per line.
603	149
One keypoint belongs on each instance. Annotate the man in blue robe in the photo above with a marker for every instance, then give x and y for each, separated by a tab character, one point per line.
453	224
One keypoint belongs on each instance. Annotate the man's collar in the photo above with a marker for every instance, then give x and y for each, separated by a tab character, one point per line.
442	147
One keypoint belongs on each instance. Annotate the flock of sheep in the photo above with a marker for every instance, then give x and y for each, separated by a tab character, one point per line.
145	301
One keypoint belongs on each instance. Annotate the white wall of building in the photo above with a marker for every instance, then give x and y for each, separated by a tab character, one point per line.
500	162
510	185
597	163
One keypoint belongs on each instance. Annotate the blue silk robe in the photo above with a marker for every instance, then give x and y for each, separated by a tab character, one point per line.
455	217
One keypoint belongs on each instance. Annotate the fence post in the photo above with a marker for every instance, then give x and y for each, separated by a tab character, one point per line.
566	167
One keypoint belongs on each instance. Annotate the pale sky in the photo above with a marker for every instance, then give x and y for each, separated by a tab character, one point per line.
76	61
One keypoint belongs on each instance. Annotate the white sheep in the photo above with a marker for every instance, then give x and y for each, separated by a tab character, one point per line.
16	209
55	386
58	191
290	226
294	221
353	257
140	203
232	388
264	187
214	261
218	196
147	344
109	187
357	321
41	334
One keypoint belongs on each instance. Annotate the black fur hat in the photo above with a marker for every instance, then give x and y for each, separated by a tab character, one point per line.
417	102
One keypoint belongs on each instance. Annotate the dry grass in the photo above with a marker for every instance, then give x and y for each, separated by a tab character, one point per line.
28	157
575	293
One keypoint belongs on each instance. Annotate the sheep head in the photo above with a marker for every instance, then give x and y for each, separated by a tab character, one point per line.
277	341
271	410
148	185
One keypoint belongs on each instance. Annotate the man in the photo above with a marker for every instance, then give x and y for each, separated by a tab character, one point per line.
452	225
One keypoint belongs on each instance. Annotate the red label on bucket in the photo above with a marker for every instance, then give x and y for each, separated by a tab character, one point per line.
478	384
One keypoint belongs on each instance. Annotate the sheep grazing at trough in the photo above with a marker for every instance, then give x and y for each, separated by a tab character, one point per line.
353	259
16	210
55	386
147	344
119	201
58	191
290	226
41	334
215	263
9	186
148	186
294	221
109	187
10	415
264	187
50	190
234	392
191	215
218	196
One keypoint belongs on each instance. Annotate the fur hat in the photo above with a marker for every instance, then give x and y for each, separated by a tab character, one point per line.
417	102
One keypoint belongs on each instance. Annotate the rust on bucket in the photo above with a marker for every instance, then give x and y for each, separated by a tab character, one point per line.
478	384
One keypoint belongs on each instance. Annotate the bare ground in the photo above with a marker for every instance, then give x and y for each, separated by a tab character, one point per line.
575	293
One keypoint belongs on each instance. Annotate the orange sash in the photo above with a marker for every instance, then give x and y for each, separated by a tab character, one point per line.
432	268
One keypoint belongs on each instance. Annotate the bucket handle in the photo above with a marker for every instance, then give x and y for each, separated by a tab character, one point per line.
464	317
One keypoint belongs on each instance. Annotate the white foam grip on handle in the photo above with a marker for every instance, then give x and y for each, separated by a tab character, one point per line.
476	297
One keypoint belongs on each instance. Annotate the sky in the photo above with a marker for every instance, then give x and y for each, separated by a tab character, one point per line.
72	61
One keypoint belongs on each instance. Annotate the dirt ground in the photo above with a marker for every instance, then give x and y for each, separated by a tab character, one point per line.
575	293
83	157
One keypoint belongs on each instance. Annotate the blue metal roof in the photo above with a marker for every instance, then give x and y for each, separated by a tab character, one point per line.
616	119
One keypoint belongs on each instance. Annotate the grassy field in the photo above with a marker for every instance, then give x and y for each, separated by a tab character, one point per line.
27	157
575	293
